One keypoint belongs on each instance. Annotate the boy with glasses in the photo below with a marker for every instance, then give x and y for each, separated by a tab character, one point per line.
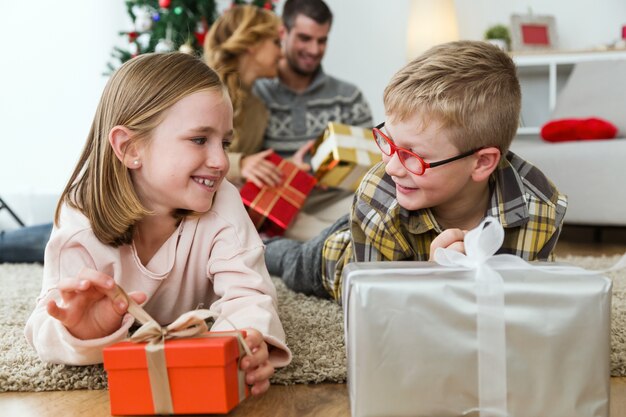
451	116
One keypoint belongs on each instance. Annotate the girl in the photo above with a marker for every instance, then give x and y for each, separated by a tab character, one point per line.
243	45
147	207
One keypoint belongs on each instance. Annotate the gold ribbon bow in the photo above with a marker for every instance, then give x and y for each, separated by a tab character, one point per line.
188	325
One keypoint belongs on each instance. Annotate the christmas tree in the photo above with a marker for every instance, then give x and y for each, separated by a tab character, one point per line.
170	25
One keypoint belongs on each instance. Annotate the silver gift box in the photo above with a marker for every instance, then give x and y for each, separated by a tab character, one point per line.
412	347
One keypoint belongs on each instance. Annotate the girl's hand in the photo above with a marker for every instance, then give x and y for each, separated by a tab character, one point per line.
92	307
257	367
450	239
260	171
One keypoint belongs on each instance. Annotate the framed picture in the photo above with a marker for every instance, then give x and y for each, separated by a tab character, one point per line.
533	32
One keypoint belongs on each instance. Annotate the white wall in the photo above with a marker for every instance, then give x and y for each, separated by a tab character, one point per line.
51	72
51	80
367	45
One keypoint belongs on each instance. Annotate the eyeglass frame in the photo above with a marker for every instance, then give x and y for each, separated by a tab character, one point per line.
394	148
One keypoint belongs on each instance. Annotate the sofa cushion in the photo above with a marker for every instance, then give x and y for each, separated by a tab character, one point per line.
562	130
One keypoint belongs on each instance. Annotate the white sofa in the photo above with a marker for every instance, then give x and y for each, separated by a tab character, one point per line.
591	173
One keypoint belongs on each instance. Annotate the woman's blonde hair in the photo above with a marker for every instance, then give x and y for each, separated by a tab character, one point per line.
136	96
230	36
470	87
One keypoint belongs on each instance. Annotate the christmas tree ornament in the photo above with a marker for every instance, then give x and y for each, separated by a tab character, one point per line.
164	45
165	3
201	31
143	18
186	48
143	41
133	49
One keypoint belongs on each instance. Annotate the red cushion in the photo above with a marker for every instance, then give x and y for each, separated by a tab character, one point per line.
578	129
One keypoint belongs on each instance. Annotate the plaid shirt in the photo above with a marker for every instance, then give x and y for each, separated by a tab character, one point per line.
528	205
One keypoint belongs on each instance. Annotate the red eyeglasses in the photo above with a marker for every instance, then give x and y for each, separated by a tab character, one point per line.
410	160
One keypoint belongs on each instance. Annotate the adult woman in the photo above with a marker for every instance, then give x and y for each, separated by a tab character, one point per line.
242	46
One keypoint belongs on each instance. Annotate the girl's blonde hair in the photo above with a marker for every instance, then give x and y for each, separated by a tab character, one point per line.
470	87
230	36
136	96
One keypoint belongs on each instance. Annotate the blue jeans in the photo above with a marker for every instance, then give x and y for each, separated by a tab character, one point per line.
24	245
299	264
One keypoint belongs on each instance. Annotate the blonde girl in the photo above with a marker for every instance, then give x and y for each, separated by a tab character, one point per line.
147	207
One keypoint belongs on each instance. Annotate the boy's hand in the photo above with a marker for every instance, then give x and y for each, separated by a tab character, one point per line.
257	367
448	239
260	171
86	310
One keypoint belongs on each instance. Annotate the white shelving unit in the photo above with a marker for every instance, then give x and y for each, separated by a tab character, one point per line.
543	75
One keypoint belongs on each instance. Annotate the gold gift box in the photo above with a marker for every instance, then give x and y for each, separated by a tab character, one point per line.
343	155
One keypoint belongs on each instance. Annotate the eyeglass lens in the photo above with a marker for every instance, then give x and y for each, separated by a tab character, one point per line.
409	161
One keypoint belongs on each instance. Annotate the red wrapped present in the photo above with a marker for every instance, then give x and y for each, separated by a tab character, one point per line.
197	373
272	209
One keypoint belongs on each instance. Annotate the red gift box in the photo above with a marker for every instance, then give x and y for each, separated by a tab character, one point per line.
203	372
272	209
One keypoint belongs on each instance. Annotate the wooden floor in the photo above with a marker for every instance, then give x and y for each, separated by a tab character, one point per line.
328	400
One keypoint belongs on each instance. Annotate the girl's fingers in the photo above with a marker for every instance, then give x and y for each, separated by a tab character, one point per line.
138	296
54	311
97	278
260	387
258	347
87	278
262	372
72	284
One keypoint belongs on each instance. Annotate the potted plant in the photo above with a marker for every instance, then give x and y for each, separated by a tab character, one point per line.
499	36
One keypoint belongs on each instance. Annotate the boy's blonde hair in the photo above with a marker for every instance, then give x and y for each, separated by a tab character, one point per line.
136	96
230	36
470	87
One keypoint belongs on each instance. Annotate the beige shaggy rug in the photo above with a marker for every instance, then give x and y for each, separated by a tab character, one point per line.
314	330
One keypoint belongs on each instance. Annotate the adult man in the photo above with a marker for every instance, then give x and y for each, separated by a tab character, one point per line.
303	99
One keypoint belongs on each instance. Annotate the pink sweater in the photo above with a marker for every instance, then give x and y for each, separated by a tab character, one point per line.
214	261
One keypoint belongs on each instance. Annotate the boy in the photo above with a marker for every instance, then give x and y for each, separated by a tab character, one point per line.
451	116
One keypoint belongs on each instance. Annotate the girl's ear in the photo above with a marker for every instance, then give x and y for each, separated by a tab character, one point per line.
125	150
487	162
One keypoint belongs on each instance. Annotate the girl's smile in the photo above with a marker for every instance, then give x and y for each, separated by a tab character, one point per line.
208	183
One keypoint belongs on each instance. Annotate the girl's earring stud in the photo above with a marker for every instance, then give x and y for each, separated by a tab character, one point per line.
136	162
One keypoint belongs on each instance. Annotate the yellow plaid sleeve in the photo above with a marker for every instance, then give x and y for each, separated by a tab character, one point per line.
336	253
